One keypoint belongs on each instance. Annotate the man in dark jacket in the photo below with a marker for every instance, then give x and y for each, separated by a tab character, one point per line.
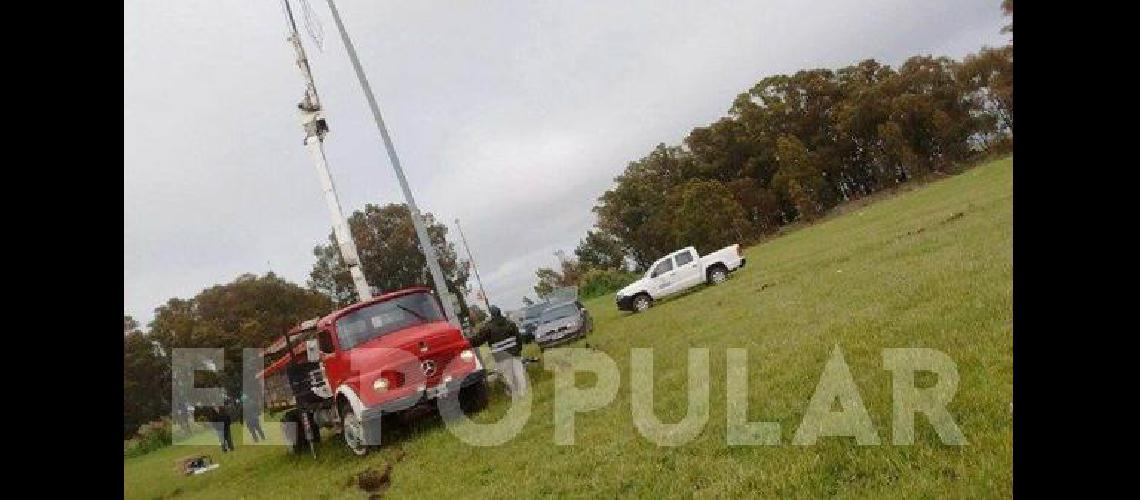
503	337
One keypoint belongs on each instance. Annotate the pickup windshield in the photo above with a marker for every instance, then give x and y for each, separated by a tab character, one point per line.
559	312
386	317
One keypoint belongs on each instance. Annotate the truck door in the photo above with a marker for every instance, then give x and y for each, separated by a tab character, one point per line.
663	279
688	269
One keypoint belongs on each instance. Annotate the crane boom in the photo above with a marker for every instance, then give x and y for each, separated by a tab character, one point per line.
315	126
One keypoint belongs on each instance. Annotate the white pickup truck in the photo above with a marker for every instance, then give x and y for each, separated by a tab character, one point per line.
677	272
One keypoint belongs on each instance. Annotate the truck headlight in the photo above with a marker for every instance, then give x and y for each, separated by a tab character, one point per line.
380	384
467	355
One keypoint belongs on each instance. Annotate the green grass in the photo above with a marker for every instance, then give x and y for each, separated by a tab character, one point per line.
931	267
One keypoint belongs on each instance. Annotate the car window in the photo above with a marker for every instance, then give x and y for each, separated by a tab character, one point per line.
559	312
663	268
684	258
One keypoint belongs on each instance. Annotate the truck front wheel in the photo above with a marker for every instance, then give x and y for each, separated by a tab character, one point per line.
353	431
642	302
473	398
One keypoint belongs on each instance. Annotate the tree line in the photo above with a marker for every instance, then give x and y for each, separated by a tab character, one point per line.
789	149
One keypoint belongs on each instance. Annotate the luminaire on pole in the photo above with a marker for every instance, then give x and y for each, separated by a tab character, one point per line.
421	232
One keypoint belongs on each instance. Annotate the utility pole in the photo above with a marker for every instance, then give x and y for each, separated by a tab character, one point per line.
471	258
313	121
441	288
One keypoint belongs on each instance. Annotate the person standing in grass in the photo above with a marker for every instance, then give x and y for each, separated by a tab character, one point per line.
506	346
251	414
222	420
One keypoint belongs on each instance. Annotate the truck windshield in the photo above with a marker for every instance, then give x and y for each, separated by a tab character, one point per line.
557	313
386	317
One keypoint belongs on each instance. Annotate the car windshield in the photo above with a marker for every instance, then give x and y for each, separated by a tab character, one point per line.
559	312
386	317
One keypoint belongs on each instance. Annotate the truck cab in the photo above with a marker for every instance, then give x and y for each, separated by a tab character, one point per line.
381	356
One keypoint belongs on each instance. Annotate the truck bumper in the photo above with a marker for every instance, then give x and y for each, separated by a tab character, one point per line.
563	337
370	418
425	396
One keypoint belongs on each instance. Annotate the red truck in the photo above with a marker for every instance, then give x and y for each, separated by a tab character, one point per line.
378	357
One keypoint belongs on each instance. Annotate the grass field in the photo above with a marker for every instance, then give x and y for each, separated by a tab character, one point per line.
931	267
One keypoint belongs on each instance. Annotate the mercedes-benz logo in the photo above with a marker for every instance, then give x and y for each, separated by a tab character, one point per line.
428	367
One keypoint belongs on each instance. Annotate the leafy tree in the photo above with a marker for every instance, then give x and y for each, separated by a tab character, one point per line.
799	176
146	378
705	215
634	211
596	282
129	325
248	312
1007	9
600	250
569	273
390	255
987	78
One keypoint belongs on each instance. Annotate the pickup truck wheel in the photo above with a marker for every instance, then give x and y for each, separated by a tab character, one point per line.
642	302
353	432
717	275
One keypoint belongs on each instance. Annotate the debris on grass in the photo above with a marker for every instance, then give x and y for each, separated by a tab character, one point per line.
195	464
375	480
954	217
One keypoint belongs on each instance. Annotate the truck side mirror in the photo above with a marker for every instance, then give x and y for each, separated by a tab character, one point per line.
313	350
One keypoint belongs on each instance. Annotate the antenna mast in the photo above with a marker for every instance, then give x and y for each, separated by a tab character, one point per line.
315	126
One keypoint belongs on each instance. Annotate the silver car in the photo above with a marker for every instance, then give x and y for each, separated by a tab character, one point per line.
562	323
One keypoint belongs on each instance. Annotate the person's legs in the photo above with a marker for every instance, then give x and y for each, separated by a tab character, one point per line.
519	370
251	426
221	436
228	438
257	425
503	367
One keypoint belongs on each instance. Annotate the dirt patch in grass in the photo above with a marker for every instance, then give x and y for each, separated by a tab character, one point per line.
375	481
954	217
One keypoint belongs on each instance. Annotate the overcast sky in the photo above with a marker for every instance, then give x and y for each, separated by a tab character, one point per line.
513	116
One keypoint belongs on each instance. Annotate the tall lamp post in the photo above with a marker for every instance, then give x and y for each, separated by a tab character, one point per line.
441	288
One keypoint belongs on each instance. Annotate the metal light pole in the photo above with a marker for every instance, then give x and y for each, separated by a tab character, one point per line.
470	257
421	232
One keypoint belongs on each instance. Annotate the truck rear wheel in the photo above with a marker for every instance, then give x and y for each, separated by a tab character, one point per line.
353	431
717	275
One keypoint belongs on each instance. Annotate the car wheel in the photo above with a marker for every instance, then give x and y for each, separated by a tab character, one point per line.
717	275
641	303
353	431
